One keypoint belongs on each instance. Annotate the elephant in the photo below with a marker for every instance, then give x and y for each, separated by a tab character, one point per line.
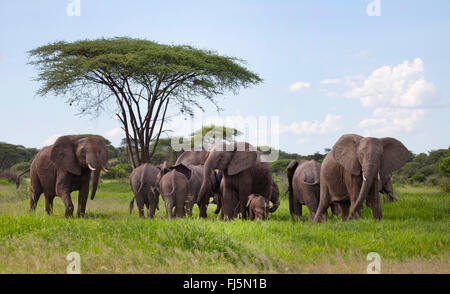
143	185
173	184
258	207
64	167
304	186
243	174
349	173
195	182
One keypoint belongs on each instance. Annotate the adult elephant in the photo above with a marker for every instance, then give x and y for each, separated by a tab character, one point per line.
243	174
173	184
304	186
143	185
64	167
349	173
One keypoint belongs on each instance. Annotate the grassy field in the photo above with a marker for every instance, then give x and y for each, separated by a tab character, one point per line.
413	237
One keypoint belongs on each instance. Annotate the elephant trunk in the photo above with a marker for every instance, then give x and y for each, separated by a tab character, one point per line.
368	178
95	180
206	184
275	199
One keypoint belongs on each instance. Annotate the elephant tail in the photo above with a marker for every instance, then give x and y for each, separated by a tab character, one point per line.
311	184
20	175
131	205
290	174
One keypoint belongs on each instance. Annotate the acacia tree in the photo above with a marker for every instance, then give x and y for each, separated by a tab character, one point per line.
141	77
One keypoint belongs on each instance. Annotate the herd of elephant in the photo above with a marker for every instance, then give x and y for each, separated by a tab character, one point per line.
233	174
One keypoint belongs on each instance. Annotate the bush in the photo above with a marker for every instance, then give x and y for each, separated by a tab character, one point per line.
445	184
20	167
417	178
280	165
119	171
444	166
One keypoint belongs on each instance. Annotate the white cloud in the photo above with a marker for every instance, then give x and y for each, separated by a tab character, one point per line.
331	123
403	85
330	81
299	86
114	132
389	121
363	54
50	140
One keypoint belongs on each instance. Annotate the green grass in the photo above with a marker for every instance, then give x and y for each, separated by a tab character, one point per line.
412	237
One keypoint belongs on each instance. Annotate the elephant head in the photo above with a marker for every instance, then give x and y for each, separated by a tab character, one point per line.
231	159
72	153
366	157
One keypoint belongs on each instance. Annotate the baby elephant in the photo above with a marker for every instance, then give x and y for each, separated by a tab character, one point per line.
258	207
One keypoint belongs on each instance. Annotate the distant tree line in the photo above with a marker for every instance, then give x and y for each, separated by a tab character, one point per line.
432	168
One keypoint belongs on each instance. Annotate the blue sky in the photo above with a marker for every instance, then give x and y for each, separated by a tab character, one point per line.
328	67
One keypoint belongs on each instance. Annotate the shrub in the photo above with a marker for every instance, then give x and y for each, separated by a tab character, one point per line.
20	167
279	166
119	171
445	184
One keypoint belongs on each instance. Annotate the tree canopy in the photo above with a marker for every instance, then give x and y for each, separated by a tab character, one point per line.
142	77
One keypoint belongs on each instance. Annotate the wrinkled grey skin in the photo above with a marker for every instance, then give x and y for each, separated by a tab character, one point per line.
304	186
349	173
143	185
244	173
274	198
195	183
64	167
173	184
258	207
192	157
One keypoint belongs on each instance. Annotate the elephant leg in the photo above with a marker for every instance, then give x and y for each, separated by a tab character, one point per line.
67	200
49	204
169	208
229	200
35	194
324	203
244	192
311	200
180	210
335	210
82	200
219	204
203	207
345	209
152	203
140	203
296	209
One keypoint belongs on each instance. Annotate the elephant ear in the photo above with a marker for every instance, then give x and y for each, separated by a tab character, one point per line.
181	168
63	155
395	155
242	160
344	151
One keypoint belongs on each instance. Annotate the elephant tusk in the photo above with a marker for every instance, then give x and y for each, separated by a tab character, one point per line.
364	178
105	170
90	167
